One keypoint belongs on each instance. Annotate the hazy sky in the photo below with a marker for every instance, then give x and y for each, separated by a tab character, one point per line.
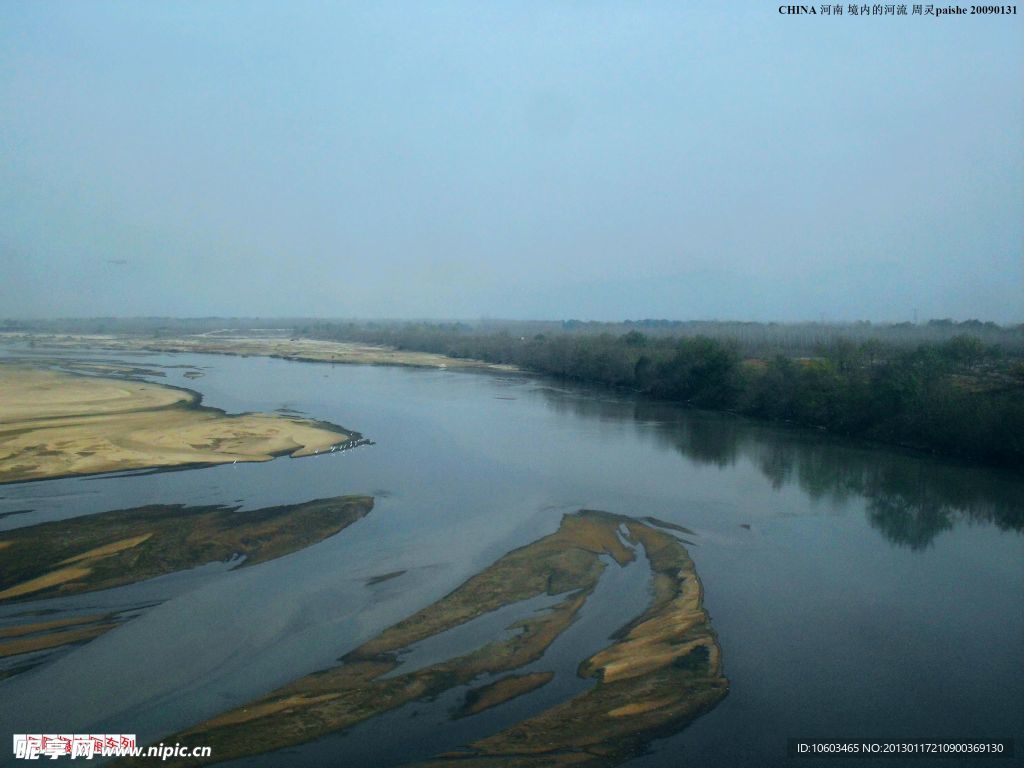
599	160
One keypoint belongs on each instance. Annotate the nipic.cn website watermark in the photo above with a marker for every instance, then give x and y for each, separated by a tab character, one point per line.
33	746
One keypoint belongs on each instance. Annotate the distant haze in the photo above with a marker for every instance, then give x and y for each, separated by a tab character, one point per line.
593	160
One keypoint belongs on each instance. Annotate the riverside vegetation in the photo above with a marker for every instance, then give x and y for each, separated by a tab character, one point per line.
950	388
960	396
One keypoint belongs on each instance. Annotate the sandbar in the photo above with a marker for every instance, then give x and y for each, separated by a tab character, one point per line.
631	700
245	344
54	423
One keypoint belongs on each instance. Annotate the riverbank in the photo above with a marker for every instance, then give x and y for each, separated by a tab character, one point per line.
245	344
958	398
55	424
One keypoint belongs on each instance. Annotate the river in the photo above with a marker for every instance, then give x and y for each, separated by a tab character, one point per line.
856	591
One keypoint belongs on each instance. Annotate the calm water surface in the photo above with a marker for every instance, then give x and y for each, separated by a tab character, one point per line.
857	592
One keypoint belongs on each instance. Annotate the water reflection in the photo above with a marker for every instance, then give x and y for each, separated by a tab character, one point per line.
909	499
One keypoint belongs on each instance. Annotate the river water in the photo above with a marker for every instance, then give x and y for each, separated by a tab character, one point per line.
856	591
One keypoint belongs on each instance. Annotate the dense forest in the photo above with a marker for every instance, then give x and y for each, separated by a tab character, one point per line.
959	396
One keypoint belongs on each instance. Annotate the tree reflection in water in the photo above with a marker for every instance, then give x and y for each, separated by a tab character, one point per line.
910	499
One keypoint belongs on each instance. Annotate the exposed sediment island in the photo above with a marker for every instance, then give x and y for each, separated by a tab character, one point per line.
54	423
659	672
112	549
245	344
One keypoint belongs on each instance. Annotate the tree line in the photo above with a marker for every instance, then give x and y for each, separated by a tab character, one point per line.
960	396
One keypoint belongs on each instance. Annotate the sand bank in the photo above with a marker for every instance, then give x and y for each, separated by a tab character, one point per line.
111	549
287	348
633	699
54	423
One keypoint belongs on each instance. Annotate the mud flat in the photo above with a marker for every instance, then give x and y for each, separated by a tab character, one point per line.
661	671
54	423
226	343
48	635
121	547
112	549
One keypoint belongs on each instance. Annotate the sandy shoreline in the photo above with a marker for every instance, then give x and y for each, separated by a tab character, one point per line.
283	347
56	424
